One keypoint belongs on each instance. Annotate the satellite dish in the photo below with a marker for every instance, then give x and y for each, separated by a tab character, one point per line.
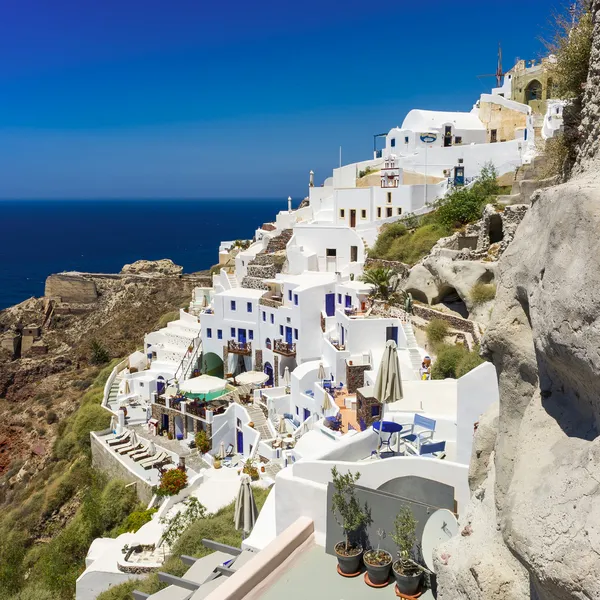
440	527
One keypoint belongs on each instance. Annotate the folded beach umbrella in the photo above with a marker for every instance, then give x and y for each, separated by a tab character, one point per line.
246	512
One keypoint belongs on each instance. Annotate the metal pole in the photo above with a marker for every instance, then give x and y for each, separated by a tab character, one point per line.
340	156
426	174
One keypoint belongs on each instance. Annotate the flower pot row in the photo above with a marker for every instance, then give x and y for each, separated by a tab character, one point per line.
379	563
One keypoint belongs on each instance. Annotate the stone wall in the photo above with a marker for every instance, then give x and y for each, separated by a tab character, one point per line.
71	288
254	283
395	265
364	409
454	321
258	360
279	242
105	461
355	376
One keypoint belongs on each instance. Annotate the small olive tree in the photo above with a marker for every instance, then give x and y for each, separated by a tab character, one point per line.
405	537
346	508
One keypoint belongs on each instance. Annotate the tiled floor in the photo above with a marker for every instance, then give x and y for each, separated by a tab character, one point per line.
348	414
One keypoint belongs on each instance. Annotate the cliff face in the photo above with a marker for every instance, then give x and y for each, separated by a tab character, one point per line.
44	382
534	519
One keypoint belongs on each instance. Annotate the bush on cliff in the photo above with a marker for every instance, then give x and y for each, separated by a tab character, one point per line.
98	353
454	361
436	331
482	292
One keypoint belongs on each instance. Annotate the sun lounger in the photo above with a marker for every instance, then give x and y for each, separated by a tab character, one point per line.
118	441
141	455
154	462
151	458
143	450
129	448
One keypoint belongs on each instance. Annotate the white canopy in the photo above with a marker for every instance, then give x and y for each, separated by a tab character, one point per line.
251	378
205	384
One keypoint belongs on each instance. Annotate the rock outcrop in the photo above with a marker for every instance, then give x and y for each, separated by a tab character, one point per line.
164	266
71	288
535	513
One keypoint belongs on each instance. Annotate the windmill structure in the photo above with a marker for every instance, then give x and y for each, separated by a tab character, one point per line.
499	74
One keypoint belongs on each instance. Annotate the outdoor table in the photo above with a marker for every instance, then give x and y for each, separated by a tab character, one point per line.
389	427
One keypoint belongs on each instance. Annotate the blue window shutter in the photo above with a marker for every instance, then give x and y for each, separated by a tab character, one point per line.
290	295
249	306
250	334
281	330
233	305
295	334
233	332
272	317
339	298
296	299
264	315
209	332
220	334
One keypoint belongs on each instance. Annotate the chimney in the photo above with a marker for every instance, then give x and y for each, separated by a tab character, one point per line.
311	179
289	204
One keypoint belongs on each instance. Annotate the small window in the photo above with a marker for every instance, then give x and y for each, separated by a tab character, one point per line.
233	332
342	213
272	318
379	212
388	211
339	298
233	305
458	139
375	410
353	253
393	142
295	334
363	214
250	334
493	135
330	252
296	299
406	139
290	295
389	197
399	211
239	423
281	330
141	384
249	306
297	410
209	332
220	334
264	315
268	343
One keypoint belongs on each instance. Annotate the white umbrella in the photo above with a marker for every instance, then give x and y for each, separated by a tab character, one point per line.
388	385
286	377
325	405
134	440
246	512
252	378
113	423
205	384
282	427
321	374
222	449
151	448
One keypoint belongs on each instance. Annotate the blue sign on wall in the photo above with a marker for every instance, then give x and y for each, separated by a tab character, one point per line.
428	138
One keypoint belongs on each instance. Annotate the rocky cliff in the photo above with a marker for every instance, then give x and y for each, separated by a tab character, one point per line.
533	527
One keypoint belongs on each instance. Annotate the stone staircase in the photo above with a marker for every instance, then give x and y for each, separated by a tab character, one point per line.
233	280
528	179
114	389
263	266
280	241
413	348
260	421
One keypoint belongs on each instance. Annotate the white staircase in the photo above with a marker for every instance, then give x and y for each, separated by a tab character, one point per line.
233	280
413	348
114	389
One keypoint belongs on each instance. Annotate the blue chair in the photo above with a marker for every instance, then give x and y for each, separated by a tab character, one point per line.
327	384
424	433
429	448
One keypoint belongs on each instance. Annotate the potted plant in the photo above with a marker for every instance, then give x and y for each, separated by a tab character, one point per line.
378	563
406	571
217	464
351	517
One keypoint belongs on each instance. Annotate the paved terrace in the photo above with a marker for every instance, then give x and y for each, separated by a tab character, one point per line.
312	574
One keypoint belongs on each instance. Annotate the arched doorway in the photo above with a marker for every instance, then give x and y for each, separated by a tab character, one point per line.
533	91
160	385
417	295
495	230
212	364
286	361
268	369
178	422
450	298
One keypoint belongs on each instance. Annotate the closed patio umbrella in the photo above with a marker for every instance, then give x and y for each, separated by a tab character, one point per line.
127	389
326	404
246	512
321	373
151	448
282	427
286	377
388	385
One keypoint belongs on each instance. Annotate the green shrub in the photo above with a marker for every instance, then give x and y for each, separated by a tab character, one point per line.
437	330
98	353
202	441
65	445
116	503
482	292
12	552
172	482
90	417
134	521
167	318
468	362
51	417
448	358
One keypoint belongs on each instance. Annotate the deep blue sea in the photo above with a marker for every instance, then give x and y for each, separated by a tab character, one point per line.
38	238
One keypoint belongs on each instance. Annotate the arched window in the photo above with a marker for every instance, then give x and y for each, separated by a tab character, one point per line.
268	343
533	91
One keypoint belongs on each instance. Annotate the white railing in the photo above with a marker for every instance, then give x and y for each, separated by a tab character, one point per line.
111	379
306	425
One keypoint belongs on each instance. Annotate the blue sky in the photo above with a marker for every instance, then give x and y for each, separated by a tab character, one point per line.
198	99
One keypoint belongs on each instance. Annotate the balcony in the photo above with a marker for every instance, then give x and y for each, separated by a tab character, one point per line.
239	347
284	348
271	300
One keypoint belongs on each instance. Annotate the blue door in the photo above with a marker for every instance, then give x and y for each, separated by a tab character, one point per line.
330	304
348	301
165	422
306	413
391	333
288	335
269	373
160	386
240	441
343	335
242	336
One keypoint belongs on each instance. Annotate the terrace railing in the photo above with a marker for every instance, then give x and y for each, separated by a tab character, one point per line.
239	347
284	348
